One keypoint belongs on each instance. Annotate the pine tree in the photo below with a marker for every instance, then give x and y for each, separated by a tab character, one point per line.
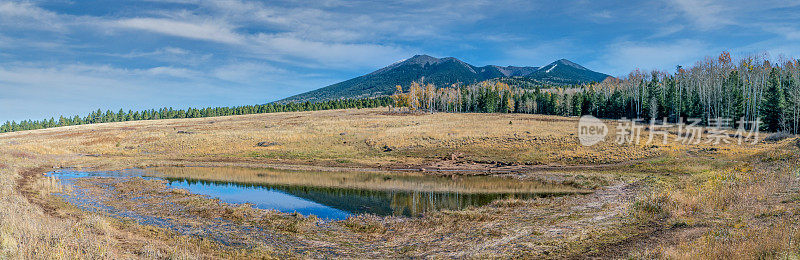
772	106
121	115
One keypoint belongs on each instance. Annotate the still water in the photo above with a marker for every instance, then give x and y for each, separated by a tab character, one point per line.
337	195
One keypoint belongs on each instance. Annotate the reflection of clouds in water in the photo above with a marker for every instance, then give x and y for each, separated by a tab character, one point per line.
263	198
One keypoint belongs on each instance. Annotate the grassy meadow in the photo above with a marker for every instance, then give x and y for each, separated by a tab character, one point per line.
674	200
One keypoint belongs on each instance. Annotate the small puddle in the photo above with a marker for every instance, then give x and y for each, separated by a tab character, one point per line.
331	195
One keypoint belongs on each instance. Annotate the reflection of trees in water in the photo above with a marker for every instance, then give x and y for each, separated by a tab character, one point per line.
363	180
378	202
415	202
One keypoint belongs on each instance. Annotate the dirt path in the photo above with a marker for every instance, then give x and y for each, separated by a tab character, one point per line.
447	166
24	183
786	200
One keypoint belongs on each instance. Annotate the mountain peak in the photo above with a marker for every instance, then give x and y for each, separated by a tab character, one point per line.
421	59
567	62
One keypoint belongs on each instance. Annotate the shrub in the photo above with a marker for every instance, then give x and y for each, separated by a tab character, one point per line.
778	136
649	208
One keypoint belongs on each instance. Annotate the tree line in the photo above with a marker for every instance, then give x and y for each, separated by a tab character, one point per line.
169	113
752	88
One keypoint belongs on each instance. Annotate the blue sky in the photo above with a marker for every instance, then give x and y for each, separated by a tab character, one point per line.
73	57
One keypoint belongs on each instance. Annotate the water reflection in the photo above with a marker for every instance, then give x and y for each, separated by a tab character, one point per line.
336	203
332	195
335	195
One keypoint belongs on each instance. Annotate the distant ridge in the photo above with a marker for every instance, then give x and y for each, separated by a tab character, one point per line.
444	72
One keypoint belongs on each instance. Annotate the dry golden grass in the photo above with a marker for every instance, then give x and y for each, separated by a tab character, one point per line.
725	201
734	207
348	137
27	231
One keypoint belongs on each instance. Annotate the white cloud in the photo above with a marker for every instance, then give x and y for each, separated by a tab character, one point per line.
361	21
788	32
12	9
158	52
605	14
172	55
327	54
27	44
337	50
352	35
176	51
36	74
28	15
201	30
706	14
173	72
668	30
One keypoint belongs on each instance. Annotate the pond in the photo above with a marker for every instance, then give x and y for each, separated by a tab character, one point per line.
335	195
